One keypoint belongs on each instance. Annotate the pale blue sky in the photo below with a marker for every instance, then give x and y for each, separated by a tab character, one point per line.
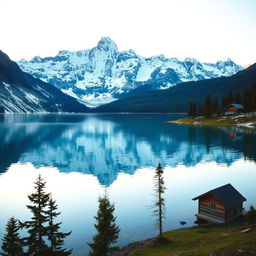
207	30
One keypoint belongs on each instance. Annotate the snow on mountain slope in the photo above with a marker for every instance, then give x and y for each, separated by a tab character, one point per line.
102	74
22	93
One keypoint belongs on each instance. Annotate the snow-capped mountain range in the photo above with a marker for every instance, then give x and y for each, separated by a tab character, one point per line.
22	93
102	74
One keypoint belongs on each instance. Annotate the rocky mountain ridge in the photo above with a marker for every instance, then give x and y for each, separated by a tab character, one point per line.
22	93
103	74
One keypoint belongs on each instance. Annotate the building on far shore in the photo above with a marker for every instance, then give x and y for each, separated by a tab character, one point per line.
1	109
233	109
220	205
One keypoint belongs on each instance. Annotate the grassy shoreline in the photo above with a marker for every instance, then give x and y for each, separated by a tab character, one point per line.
203	240
248	120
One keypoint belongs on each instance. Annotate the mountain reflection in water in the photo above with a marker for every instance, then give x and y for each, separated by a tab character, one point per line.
106	144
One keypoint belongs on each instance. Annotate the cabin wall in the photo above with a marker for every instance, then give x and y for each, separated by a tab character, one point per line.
234	213
206	202
232	109
206	208
219	212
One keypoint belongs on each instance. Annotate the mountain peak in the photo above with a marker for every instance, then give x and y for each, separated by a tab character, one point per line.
4	56
8	67
225	61
229	61
107	44
192	60
36	59
103	74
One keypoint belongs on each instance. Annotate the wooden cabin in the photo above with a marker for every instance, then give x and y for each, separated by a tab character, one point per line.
220	205
233	109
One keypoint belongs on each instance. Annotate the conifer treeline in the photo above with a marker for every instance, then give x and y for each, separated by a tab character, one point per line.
44	236
212	106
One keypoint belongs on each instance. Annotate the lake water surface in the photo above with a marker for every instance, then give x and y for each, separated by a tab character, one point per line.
80	155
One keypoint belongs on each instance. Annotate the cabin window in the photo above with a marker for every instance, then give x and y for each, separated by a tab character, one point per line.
213	206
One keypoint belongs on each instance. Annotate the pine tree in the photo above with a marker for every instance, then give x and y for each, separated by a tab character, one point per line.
159	202
254	97
207	106
224	102
247	99
12	243
194	109
230	98
190	109
37	226
55	237
200	110
107	230
215	107
238	98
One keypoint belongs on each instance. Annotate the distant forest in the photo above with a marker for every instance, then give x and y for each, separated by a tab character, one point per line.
213	106
177	98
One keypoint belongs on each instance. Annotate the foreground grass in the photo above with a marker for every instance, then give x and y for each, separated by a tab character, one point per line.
214	239
248	119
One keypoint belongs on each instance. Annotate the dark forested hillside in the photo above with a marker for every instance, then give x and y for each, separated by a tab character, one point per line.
177	98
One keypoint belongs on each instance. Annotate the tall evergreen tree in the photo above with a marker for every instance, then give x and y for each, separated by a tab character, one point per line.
107	230
224	102
37	226
238	98
254	97
194	109
12	243
159	202
215	107
200	110
55	237
247	99
190	109
230	98
207	106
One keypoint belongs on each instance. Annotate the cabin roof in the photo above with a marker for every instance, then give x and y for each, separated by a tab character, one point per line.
238	106
227	194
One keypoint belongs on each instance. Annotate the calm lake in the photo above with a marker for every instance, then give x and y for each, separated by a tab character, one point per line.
80	155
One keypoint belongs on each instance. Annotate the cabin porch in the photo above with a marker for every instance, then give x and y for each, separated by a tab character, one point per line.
211	216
